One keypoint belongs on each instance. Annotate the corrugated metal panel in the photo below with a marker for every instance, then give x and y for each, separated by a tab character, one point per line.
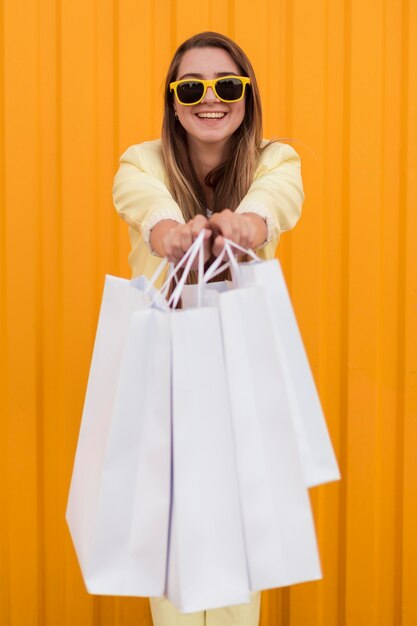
81	82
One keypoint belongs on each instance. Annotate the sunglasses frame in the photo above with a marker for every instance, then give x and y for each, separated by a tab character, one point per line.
206	84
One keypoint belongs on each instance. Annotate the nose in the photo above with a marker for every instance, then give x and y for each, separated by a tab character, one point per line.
210	96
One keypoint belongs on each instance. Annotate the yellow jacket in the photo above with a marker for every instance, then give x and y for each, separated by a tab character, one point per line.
142	199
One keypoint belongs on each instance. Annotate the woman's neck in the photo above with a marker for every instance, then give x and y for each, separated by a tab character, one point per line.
205	157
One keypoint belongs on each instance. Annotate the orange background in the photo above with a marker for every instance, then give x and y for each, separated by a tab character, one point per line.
82	80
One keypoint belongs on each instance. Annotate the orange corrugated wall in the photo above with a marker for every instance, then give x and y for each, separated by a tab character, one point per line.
81	81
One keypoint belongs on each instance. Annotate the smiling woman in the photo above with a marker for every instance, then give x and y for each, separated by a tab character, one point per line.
212	120
211	170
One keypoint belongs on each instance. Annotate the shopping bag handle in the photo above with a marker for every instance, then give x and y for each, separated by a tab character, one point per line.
197	247
217	268
174	269
231	244
172	274
156	275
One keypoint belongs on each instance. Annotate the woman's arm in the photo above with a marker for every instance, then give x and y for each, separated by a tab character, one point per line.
142	199
139	192
276	193
271	206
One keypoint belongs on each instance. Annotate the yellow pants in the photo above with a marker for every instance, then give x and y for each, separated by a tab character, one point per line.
165	614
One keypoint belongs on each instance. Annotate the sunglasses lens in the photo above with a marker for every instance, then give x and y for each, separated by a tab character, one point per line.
190	91
229	88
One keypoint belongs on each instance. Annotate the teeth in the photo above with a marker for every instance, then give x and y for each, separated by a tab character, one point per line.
211	115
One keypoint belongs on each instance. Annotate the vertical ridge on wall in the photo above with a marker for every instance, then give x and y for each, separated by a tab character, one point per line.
389	306
22	283
52	298
77	241
116	122
361	342
97	16
331	335
4	470
52	160
409	368
344	308
399	404
99	140
39	331
402	317
361	544
284	75
307	88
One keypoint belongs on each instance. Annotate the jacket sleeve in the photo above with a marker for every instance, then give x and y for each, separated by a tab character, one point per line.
276	194
140	194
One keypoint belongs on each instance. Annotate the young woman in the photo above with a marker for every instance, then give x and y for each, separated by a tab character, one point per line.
210	170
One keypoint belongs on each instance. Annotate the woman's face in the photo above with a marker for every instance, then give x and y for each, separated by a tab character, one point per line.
209	63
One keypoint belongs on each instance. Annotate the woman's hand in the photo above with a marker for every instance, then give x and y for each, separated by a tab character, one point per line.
172	240
249	230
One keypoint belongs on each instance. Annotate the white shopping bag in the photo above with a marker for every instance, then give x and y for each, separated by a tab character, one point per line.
207	561
118	507
278	524
317	456
315	448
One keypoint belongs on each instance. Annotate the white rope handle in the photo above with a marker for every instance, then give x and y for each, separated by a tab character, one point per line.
248	251
196	247
234	265
200	275
173	270
156	275
172	274
216	267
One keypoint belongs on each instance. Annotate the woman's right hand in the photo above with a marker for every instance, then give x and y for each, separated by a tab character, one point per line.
172	240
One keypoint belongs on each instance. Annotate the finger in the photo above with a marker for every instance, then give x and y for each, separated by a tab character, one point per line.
231	225
236	228
226	229
186	239
197	225
230	228
213	224
251	235
177	248
166	248
218	245
244	232
201	220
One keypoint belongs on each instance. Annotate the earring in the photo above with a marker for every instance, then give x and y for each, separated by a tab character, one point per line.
176	115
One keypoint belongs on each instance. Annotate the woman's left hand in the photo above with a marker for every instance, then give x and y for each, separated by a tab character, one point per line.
249	230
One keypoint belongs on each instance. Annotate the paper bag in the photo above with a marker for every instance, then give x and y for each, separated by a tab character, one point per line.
278	524
316	452
207	561
118	507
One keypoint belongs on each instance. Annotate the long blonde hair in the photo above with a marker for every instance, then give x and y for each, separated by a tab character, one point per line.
230	180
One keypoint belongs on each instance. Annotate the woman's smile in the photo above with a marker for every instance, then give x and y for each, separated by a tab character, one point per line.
211	118
211	115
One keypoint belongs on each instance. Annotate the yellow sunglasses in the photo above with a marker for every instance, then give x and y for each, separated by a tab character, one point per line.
227	89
